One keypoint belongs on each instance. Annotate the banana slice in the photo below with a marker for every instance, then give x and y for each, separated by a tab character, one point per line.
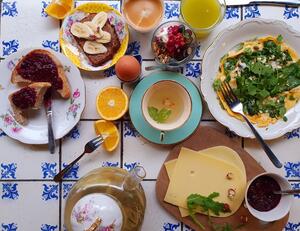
100	19
92	25
93	48
105	38
81	30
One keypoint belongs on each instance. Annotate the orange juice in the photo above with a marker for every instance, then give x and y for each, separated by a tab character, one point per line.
201	15
143	15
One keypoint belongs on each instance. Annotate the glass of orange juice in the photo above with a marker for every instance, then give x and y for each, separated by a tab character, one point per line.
202	15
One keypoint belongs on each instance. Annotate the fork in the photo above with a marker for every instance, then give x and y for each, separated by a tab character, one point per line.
237	107
89	147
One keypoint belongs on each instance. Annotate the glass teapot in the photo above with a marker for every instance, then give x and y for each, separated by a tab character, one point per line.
107	199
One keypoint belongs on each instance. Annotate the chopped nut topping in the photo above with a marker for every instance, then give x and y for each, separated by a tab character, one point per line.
231	193
229	176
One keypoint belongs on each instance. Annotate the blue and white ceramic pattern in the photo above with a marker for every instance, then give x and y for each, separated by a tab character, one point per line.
26	171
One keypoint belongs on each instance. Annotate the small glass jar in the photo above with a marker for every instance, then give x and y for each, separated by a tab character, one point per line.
174	44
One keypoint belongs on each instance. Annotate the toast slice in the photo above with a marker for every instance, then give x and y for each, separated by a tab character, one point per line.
42	66
30	97
112	47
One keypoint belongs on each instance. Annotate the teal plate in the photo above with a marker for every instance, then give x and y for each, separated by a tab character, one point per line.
145	129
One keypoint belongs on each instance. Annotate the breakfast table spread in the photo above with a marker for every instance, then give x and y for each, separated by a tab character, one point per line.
30	198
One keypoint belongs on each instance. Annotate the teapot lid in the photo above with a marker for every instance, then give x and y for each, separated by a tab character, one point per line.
96	209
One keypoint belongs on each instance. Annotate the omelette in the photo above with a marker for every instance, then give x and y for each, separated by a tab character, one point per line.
264	74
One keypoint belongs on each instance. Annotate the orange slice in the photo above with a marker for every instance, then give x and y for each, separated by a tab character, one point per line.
112	103
110	133
59	8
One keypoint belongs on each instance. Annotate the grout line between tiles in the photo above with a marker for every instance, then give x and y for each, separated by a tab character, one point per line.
122	145
60	207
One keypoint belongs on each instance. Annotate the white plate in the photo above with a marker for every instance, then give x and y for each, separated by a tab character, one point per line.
226	41
66	113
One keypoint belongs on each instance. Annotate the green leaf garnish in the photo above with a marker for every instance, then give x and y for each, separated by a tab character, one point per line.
160	116
279	38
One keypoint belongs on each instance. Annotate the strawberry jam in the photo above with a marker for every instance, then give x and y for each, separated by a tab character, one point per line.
24	98
260	193
39	67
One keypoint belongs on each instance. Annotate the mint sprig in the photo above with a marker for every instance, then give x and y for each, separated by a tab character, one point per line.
160	116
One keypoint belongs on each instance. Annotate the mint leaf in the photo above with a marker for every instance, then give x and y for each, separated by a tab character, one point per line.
160	116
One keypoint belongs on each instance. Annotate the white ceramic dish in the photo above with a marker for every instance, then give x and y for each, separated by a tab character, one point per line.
226	41
66	113
281	209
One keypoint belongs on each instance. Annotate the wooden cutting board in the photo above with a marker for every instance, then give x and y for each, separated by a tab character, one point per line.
206	137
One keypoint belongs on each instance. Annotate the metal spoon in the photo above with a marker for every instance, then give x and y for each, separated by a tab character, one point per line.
287	192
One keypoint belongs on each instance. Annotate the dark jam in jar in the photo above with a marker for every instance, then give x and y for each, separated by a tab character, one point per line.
260	194
24	98
39	67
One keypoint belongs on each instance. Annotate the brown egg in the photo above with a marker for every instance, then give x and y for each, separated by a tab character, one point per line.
128	69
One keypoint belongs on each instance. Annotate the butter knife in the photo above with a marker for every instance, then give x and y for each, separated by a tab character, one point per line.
48	108
263	2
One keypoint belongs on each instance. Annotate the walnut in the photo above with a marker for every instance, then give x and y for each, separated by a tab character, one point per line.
231	193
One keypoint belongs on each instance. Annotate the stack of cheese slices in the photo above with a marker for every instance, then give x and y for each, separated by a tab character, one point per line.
217	169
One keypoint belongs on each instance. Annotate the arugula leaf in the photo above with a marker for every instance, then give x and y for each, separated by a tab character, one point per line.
279	38
160	116
217	84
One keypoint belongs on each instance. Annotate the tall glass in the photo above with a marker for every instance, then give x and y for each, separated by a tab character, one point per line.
202	15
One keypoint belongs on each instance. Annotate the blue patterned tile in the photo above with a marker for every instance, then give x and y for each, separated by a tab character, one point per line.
171	226
66	189
9	9
44	5
187	228
114	5
74	133
46	227
129	130
133	48
51	44
251	12
292	169
49	170
110	72
72	173
292	226
2	133
171	10
10	47
10	191
198	52
8	171
290	12
110	164
130	166
9	227
295	134
232	12
50	192
193	70
296	186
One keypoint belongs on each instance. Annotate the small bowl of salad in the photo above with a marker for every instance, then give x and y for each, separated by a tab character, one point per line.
174	44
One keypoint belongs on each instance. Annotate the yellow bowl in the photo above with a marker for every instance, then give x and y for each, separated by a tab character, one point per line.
70	48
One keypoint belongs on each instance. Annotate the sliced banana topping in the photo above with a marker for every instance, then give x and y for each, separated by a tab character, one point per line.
92	25
105	37
93	48
100	19
81	30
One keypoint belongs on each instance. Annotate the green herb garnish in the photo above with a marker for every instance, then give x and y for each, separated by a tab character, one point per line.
160	116
206	204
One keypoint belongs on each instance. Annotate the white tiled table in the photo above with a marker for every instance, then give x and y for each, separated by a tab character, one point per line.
29	198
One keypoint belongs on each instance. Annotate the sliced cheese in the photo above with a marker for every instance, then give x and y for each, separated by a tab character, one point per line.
220	152
202	174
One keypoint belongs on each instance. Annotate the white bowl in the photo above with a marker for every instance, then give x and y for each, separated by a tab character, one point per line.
281	209
226	41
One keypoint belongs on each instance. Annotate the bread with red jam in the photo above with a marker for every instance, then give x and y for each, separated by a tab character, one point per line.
29	97
42	66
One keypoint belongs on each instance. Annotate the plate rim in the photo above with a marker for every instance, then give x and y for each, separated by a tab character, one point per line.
25	140
159	79
204	92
